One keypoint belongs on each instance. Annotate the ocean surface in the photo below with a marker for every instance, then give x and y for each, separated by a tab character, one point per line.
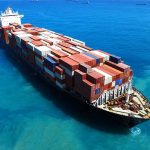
34	116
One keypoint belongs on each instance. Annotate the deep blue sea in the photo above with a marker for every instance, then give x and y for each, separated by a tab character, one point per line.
34	116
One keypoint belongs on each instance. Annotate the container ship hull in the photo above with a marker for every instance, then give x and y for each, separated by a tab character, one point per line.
98	79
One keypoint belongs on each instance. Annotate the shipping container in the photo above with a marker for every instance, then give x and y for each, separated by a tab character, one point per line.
50	63
27	25
42	50
121	67
85	68
58	53
93	56
81	58
95	77
59	70
68	65
115	59
108	78
68	50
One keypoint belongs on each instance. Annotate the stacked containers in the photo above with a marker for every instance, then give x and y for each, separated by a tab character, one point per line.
60	77
98	80
69	66
85	68
49	68
40	53
79	76
108	77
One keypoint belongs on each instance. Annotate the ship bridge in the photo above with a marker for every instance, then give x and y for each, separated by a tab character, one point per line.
9	16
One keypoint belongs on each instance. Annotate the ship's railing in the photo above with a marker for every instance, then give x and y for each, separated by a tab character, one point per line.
144	97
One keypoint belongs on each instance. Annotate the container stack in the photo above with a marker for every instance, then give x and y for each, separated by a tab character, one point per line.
68	62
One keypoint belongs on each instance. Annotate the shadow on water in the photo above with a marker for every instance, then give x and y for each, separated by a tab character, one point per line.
69	105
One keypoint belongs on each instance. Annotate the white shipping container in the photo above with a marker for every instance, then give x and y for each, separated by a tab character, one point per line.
105	56
55	41
76	49
81	48
55	47
42	50
49	72
53	35
108	78
65	52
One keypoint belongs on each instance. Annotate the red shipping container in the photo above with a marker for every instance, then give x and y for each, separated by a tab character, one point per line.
69	81
85	47
48	41
35	38
38	43
120	67
85	68
27	25
81	58
68	50
64	44
95	78
69	63
59	70
107	86
39	30
79	75
65	39
33	32
118	74
58	53
88	90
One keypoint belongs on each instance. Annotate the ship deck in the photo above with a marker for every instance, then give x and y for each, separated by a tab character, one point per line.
138	105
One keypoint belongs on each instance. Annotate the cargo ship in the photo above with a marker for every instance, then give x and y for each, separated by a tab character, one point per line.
98	79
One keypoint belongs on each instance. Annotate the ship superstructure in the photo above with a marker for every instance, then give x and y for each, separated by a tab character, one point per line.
100	79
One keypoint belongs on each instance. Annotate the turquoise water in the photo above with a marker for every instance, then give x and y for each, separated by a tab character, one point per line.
35	116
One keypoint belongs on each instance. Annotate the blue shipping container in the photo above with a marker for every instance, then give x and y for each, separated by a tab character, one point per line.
118	82
90	55
50	62
115	59
97	91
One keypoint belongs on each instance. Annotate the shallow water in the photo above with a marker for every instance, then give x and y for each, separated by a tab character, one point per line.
36	116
